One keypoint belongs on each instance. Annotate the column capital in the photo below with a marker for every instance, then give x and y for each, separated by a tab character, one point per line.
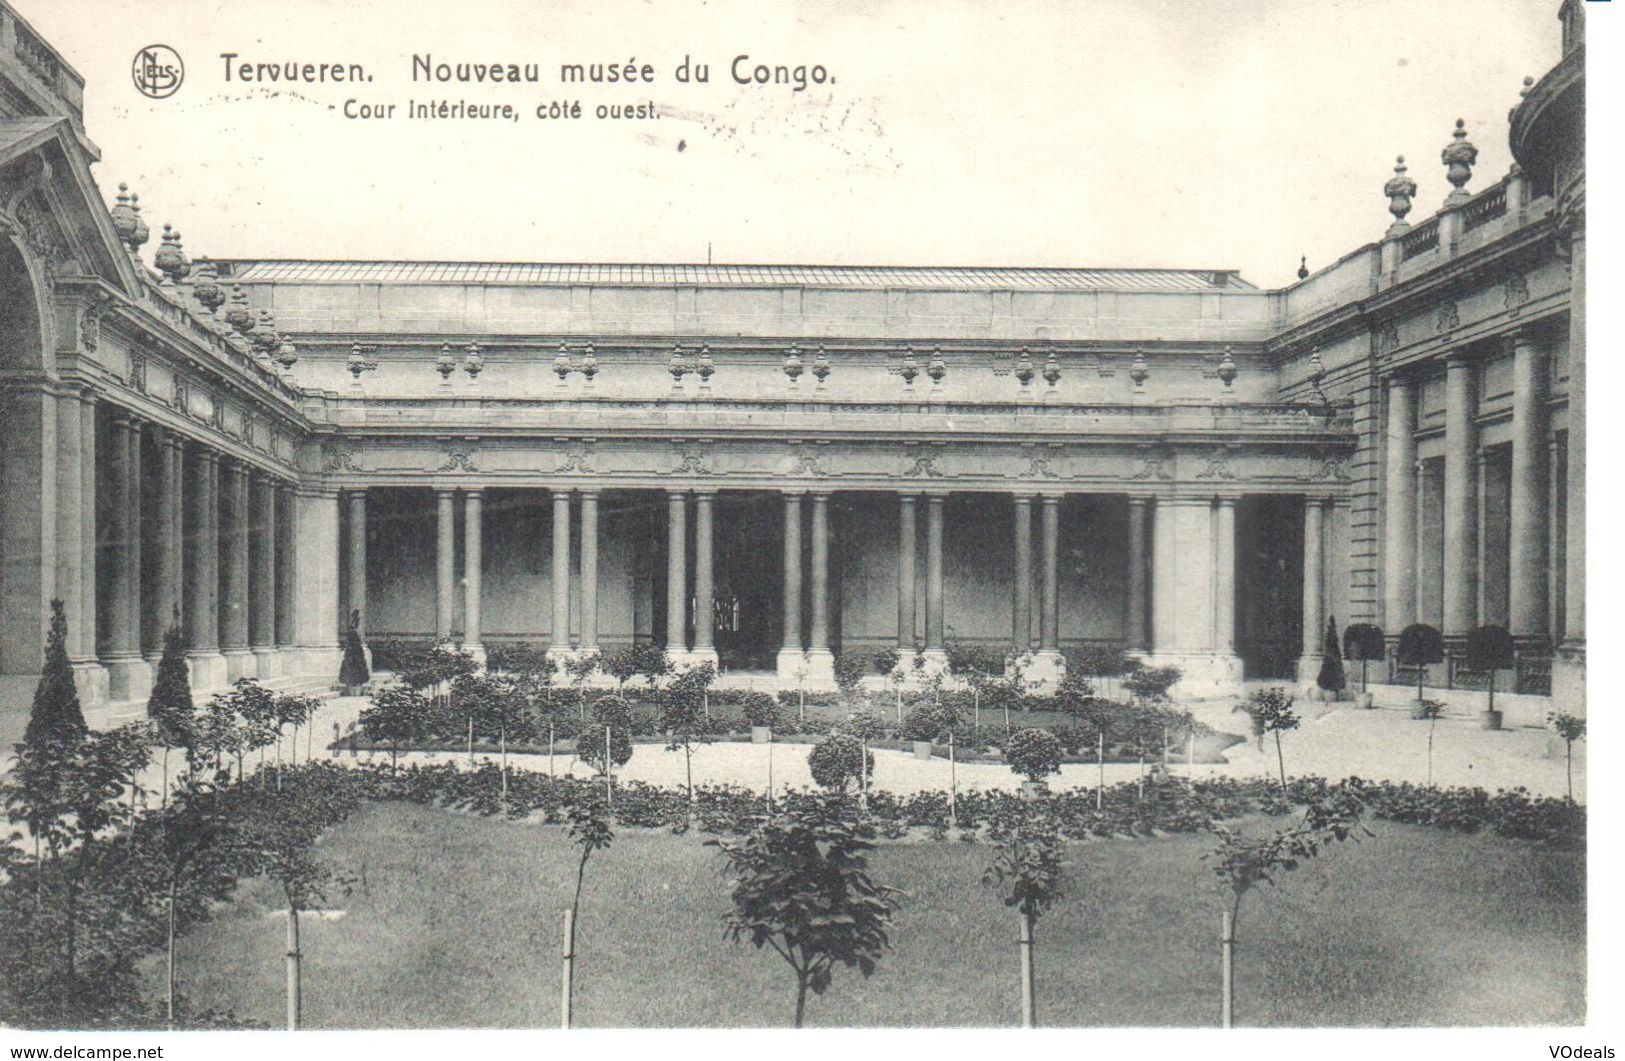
204	453
1140	500
1050	499
439	491
590	491
1460	360
1023	497
709	493
471	489
793	493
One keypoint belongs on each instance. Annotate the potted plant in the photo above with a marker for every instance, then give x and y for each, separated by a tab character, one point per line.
924	725
761	713
1490	648
1420	645
1364	642
1331	680
1035	754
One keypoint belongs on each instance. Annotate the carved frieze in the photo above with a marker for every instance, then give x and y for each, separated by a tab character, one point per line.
340	457
1218	465
1517	293
1449	318
459	455
577	459
691	459
1152	464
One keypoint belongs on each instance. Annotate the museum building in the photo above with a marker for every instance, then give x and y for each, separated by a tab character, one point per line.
769	466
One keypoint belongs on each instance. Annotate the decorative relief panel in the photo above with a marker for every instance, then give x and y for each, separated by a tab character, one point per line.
459	455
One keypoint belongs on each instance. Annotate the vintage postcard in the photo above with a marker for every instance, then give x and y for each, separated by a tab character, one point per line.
538	515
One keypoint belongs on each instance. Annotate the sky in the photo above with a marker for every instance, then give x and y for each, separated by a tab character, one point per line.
1235	134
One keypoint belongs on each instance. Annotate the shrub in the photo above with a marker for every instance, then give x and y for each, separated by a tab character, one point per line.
1034	754
1331	677
849	671
1364	642
590	744
925	722
759	709
839	760
1151	684
1420	645
1100	661
614	712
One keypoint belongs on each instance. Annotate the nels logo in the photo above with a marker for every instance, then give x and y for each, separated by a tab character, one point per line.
157	71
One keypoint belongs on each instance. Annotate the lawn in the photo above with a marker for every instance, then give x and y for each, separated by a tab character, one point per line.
454	922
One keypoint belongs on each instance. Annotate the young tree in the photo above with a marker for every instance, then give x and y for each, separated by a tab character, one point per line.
396	716
1034	754
353	673
1490	649
1420	645
1243	862
1430	711
1571	728
590	829
800	884
839	760
1364	642
1027	870
683	717
581	667
1331	677
1271	712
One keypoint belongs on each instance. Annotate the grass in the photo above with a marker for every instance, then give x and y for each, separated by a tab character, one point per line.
455	922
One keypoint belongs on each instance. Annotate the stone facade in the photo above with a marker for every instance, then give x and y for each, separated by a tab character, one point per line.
772	466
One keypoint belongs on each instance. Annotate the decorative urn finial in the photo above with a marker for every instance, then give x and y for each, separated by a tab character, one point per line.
910	370
937	368
1227	368
206	285
820	368
1139	372
1052	367
127	223
239	314
445	364
140	233
1303	267
170	260
678	367
1317	372
286	353
356	363
1399	190
561	361
792	363
1458	157
706	366
263	335
589	362
473	360
1024	367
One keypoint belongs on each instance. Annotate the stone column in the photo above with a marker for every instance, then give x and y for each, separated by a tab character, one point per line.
676	575
129	675
69	512
704	585
1314	582
589	570
473	561
907	580
1460	498
935	646
94	676
28	539
820	660
1569	669
1139	511
1021	604
166	526
287	637
207	665
445	564
791	659
356	588
316	580
1186	554
1224	577
559	575
234	584
262	577
1399	500
1526	595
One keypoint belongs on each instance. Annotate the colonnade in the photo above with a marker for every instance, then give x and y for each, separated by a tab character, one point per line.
1181	587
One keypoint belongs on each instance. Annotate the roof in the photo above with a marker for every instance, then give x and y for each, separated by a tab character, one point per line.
837	276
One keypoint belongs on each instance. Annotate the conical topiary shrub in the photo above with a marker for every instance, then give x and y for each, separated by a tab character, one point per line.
353	672
170	706
56	717
1331	677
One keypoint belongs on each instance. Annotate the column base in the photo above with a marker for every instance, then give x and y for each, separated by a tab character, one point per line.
1569	679
267	662
473	648
239	664
91	681
1043	670
129	678
318	661
704	655
814	671
1204	675
208	671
